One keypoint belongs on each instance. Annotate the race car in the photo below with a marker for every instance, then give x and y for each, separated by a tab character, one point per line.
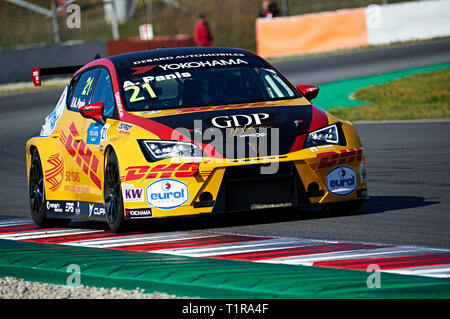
185	131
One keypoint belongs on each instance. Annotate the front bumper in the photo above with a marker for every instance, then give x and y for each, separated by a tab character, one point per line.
309	177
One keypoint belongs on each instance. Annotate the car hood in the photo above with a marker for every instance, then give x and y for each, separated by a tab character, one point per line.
285	123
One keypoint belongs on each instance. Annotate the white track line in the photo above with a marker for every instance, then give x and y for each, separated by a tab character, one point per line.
438	271
249	246
138	240
46	233
15	222
309	260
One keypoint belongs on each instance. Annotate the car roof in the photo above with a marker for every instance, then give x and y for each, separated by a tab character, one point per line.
127	58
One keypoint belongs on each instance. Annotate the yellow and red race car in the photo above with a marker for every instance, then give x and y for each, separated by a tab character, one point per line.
185	131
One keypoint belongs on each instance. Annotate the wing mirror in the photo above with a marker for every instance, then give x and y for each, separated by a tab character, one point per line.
308	91
93	111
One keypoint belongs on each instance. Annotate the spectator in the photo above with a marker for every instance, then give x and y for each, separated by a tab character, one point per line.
269	9
202	33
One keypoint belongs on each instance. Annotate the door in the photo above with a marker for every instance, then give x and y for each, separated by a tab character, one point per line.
77	158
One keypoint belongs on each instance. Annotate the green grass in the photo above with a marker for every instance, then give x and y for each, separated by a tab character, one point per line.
419	96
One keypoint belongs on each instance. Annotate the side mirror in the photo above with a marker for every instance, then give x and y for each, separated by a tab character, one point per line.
309	91
93	111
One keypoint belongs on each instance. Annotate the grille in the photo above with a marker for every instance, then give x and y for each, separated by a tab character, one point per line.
245	188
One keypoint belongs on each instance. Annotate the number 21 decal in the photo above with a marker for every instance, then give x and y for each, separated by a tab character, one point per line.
137	89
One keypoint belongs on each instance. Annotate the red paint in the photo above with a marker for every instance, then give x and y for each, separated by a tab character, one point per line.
297	251
298	144
319	119
13	229
79	237
389	262
186	243
142	69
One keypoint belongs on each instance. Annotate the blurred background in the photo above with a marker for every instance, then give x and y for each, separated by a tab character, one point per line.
232	22
71	32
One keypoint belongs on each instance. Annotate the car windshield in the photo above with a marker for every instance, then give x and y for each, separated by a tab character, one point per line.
202	82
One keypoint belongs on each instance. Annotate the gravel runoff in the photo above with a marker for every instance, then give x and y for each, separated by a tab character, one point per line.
16	288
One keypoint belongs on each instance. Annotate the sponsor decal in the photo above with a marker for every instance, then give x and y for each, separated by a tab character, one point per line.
70	207
119	104
52	119
319	148
248	131
131	194
96	209
298	123
334	158
54	175
361	194
75	208
201	64
167	193
73	177
186	159
363	173
158	78
188	56
77	189
142	69
341	181
161	171
172	76
82	154
228	121
136	213
94	134
54	207
150	112
104	132
124	127
77	102
36	74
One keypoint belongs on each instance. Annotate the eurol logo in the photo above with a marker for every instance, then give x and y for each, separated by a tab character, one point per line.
167	193
341	181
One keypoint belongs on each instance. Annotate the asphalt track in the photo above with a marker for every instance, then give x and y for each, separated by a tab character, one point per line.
407	163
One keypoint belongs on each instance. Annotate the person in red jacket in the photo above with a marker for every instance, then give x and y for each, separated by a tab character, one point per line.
202	33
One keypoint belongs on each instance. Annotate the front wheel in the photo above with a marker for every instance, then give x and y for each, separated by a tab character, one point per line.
112	193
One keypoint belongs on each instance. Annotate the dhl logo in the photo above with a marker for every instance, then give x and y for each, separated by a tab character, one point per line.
54	175
82	154
161	171
334	158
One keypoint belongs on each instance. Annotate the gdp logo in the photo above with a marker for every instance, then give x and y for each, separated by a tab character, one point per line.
167	193
341	181
54	176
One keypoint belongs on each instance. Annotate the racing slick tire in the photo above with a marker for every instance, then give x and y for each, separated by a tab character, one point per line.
36	191
343	208
112	193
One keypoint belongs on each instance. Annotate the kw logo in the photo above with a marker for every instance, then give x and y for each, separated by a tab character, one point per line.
82	154
333	158
161	171
54	175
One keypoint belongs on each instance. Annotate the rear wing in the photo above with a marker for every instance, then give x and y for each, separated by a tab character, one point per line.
37	73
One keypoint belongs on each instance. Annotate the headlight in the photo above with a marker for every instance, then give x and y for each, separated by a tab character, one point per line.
159	150
326	135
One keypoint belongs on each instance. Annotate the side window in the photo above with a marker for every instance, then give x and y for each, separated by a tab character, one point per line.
103	92
82	90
